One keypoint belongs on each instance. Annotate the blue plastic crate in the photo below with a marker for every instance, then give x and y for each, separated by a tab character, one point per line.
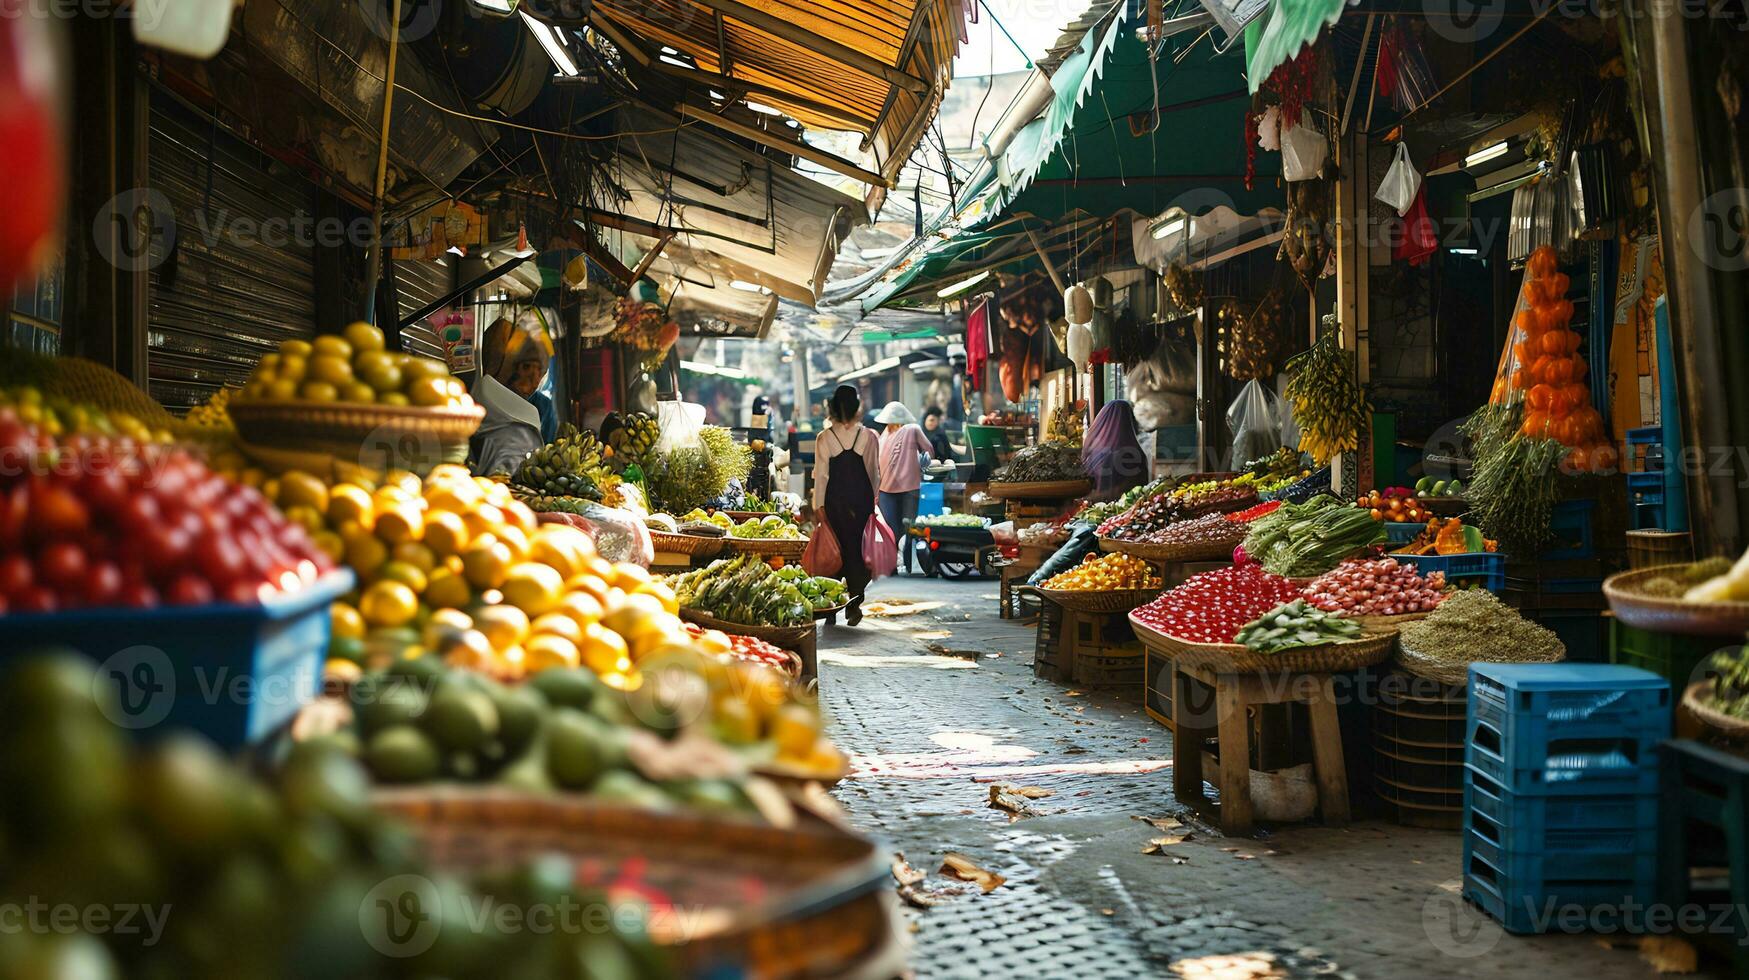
1568	692
1534	818
1571	525
1484	568
1527	908
1399	533
932	499
1647	481
1527	737
235	674
1535	868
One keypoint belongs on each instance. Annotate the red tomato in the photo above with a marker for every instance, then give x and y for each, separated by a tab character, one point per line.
62	564
220	558
36	599
137	595
241	593
141	511
14	515
16	575
56	512
103	583
104	487
165	548
190	589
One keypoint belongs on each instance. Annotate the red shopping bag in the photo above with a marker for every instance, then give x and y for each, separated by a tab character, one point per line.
821	556
880	549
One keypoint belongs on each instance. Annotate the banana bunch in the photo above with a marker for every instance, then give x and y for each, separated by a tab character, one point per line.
635	437
573	465
1327	400
213	413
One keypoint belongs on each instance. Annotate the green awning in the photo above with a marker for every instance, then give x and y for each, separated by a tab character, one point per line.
1091	154
1292	25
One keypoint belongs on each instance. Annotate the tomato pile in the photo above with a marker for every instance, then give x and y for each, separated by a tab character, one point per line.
1376	587
1214	606
95	523
748	648
1261	510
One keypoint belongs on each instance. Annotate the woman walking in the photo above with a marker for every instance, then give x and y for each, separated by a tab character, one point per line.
847	470
903	449
1112	455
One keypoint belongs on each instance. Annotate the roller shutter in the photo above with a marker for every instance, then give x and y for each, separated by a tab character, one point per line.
241	275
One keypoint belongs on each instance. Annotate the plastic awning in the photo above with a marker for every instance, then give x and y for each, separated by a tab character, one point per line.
734	215
1291	25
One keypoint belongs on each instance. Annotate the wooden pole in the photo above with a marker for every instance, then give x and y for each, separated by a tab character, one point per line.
374	266
1038	246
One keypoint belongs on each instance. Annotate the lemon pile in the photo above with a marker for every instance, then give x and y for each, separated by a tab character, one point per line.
54	415
353	367
212	415
1105	573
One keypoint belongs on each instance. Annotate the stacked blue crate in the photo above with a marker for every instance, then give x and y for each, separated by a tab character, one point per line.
1561	788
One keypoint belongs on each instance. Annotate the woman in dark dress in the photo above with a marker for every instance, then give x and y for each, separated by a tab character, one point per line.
846	473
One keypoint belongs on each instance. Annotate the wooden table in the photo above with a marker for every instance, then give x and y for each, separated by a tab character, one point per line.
1233	694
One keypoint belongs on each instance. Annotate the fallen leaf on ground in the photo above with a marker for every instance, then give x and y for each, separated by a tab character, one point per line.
1073	694
956	865
1669	954
1014	799
942	651
932	634
1160	823
1158	845
903	873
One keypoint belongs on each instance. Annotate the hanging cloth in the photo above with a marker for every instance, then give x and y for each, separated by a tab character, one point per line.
977	344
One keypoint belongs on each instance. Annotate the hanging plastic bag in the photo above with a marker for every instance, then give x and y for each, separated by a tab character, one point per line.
619	536
681	423
1256	419
1401	182
1303	150
1416	241
880	549
821	556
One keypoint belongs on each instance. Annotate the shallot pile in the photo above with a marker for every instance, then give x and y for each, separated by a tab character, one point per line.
1213	606
1376	587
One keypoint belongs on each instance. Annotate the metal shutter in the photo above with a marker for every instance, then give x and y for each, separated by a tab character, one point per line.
232	288
422	283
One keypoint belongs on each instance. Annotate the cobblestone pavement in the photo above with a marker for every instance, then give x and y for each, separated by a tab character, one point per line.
938	704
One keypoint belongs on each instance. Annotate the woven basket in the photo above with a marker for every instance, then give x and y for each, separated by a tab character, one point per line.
1671	615
1194	551
1698	699
695	545
1378	624
831	611
1233	658
738	516
789	549
381	436
807	900
1444	671
1110	601
787	637
1051	490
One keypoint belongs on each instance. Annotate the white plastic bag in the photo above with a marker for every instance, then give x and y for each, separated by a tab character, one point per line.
1255	418
681	423
1400	183
1303	150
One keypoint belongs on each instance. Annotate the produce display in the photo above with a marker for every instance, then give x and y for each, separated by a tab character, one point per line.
1303	540
1327	401
784	505
88	523
1393	505
212	416
745	590
1727	585
1296	624
771	527
691	478
1474	626
1707	580
735	646
233	876
55	416
633	437
1212	607
1250	514
1376	587
353	367
1447	536
1303	489
954	520
1152	515
1102	512
1047	462
572	465
1215	530
1106	573
1432	488
820	591
1730	686
1013	420
1044	534
1284	463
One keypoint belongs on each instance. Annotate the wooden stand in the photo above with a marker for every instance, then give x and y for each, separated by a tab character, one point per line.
1014	573
1233	694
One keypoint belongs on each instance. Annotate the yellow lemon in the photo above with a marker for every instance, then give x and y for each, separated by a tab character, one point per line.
627	616
357	393
394	398
523	516
515	540
300	489
336	371
558	624
445	589
560	546
366	554
482	518
544	651
603	650
388	603
583	608
329	345
415	553
486	563
445	533
399	523
293	368
318	391
629	576
663	594
406	574
350	503
309	518
427	392
293	348
282	390
347	623
532	587
331	544
504	626
363	336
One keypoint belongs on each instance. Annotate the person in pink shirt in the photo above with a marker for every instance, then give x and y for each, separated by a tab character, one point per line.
904	447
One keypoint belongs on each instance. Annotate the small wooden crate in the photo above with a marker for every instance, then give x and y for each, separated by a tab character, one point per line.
1051	657
1013	575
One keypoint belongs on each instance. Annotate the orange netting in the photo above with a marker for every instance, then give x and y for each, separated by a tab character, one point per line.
1542	368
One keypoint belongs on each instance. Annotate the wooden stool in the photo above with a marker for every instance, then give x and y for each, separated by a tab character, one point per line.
1015	571
1233	693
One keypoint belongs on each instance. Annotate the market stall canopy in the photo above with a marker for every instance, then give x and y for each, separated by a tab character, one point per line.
873	66
722	310
1103	144
725	213
1292	24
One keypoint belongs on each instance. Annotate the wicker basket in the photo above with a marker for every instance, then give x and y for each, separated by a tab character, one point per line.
1234	658
1378	624
379	436
1671	615
694	545
1194	551
1050	490
1109	601
803	901
787	637
739	516
789	549
1444	671
830	611
1698	699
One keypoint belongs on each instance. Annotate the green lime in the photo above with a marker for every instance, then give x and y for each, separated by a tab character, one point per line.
460	719
402	754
